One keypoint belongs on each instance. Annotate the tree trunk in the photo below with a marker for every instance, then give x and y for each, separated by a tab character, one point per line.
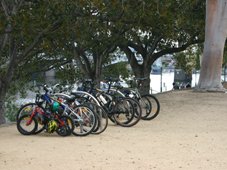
6	78
2	102
98	68
215	36
140	70
143	72
2	110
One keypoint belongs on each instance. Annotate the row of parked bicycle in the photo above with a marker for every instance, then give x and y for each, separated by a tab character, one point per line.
87	110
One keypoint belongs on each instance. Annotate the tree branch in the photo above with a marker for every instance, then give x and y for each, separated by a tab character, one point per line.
12	62
37	39
173	50
5	9
138	48
130	55
50	67
78	53
154	45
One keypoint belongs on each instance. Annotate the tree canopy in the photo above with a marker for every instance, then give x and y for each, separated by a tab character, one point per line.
40	35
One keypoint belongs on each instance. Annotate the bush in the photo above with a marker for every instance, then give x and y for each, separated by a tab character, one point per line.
10	109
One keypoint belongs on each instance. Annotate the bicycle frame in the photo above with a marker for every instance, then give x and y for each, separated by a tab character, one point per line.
68	108
37	111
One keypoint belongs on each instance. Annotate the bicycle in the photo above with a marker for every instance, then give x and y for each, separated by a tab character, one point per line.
27	124
83	117
148	102
120	110
101	115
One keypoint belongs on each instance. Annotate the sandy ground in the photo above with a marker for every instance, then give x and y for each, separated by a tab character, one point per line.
190	134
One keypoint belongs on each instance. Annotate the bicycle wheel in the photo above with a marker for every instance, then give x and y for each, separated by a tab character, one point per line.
25	109
123	112
67	126
28	109
27	125
137	112
145	106
100	113
101	116
84	120
155	107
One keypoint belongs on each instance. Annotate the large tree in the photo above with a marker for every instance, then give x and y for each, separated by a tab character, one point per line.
144	30
90	39
157	29
23	26
215	36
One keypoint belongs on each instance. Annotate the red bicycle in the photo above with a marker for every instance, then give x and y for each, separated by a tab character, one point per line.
32	118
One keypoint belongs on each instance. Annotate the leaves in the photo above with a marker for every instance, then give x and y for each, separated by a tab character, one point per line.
98	27
188	59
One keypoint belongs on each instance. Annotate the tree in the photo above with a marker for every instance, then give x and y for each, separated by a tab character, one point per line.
90	41
164	28
189	59
215	36
155	29
116	70
23	26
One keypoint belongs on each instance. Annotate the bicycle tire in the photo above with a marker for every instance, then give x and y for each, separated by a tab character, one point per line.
145	106
85	126
155	107
123	112
22	124
68	127
102	118
137	114
24	109
100	113
28	109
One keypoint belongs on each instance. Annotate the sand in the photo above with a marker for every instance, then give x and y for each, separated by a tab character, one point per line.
189	134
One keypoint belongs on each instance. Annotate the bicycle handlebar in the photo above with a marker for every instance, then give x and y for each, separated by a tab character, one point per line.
45	88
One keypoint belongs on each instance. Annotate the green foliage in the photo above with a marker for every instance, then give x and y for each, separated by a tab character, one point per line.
18	89
69	74
188	59
174	21
224	63
198	54
116	70
11	109
97	27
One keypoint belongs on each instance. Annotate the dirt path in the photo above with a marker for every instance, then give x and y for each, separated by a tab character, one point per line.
190	134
